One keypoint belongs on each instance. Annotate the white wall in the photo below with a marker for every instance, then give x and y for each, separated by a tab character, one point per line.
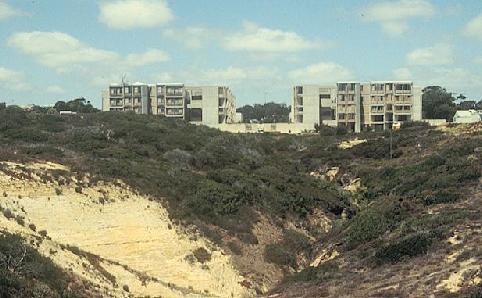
417	104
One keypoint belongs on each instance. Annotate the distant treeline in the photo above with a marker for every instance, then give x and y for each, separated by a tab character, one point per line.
270	112
78	105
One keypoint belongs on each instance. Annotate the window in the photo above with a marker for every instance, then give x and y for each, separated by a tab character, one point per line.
377	87
325	96
327	114
175	112
341	116
404	87
196	115
299	89
171	90
116	91
174	102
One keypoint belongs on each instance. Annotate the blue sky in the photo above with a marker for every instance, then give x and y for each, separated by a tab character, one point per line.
58	50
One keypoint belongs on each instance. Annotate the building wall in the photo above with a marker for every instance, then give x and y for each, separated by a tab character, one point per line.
204	104
310	102
264	127
357	106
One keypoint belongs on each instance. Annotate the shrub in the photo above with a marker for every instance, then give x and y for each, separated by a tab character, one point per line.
78	189
202	255
441	197
374	221
27	272
32	227
8	213
235	248
43	233
20	220
321	273
409	246
278	254
295	241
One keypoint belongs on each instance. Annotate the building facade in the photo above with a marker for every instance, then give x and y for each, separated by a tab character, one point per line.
313	104
357	106
209	105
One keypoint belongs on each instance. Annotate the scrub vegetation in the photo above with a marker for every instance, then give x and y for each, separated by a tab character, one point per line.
222	183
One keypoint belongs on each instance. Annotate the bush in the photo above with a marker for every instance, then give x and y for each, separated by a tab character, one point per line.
8	213
373	222
295	241
323	272
78	189
235	248
407	247
278	254
26	272
202	255
441	197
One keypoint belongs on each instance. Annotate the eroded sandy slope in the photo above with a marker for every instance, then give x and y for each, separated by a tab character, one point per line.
120	241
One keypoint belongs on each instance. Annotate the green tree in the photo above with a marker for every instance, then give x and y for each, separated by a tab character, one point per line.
79	105
270	112
437	103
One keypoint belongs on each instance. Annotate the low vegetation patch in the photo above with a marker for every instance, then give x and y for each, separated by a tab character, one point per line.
25	273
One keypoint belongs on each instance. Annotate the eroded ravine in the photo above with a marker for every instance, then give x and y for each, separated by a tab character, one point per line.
121	241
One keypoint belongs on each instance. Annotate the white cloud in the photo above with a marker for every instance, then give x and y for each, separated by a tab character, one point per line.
320	73
394	15
474	27
162	77
228	76
192	37
402	73
259	39
439	54
65	53
457	79
12	80
149	57
55	89
57	50
7	11
130	14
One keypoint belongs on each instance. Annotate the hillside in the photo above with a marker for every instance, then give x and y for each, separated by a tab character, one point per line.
124	204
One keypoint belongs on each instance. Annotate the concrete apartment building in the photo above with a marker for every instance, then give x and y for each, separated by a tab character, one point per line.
357	106
313	104
209	105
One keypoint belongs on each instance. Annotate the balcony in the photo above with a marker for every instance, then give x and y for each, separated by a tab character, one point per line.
174	112
174	102
399	91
